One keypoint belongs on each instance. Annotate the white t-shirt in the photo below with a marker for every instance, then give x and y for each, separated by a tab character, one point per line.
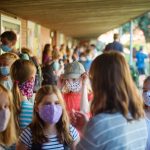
54	144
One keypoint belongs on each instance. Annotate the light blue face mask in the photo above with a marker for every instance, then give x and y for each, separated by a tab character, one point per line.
4	70
5	48
8	83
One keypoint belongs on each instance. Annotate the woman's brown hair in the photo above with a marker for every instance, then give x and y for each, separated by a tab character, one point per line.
113	87
8	137
37	125
20	71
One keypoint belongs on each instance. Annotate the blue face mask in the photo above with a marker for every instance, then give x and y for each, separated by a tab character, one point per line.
5	48
8	83
4	70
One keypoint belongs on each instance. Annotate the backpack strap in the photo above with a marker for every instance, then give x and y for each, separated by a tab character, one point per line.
36	146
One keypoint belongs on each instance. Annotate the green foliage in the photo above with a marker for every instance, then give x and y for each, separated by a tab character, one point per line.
143	22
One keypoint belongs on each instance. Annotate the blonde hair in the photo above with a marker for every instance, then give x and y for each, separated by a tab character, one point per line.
55	54
20	71
113	87
37	125
9	57
27	51
8	137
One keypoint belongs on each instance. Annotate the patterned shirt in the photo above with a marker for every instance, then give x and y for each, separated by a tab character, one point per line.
54	144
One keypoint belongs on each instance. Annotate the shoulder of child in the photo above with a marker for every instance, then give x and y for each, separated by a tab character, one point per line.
74	133
26	137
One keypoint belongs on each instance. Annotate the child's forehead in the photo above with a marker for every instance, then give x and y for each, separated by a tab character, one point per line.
50	97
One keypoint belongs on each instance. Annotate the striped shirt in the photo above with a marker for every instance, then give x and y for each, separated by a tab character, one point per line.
113	132
54	144
25	117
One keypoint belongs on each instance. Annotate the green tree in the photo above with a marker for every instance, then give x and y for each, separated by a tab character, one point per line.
144	25
143	22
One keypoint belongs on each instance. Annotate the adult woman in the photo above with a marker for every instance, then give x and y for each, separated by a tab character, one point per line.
146	97
117	110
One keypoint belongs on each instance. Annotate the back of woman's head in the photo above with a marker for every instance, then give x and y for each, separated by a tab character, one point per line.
21	71
113	87
8	136
38	125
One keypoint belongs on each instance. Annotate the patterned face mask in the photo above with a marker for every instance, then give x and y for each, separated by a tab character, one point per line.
146	97
74	86
26	88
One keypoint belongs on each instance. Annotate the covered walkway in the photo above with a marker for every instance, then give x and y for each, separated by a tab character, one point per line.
81	19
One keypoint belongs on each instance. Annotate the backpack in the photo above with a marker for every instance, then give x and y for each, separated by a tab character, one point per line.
38	76
49	78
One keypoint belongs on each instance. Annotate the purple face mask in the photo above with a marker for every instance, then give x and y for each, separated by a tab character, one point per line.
26	88
50	113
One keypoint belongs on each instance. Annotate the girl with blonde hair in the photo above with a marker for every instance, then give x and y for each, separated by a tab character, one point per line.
6	60
23	77
50	128
7	126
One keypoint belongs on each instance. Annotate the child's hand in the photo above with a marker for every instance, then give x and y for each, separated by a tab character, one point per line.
72	117
81	120
84	77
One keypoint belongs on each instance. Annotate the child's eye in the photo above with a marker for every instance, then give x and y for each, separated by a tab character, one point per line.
6	106
48	103
57	103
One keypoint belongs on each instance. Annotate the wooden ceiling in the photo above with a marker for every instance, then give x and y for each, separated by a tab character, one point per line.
77	18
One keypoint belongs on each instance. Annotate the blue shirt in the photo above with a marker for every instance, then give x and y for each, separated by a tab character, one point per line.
114	46
140	56
25	117
113	132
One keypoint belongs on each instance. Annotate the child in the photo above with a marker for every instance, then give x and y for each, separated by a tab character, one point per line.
146	97
50	128
8	40
23	77
52	70
7	126
75	88
6	60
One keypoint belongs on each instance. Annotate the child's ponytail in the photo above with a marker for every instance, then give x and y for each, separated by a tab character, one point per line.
17	106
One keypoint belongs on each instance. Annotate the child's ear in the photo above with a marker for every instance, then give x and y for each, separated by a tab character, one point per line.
36	109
